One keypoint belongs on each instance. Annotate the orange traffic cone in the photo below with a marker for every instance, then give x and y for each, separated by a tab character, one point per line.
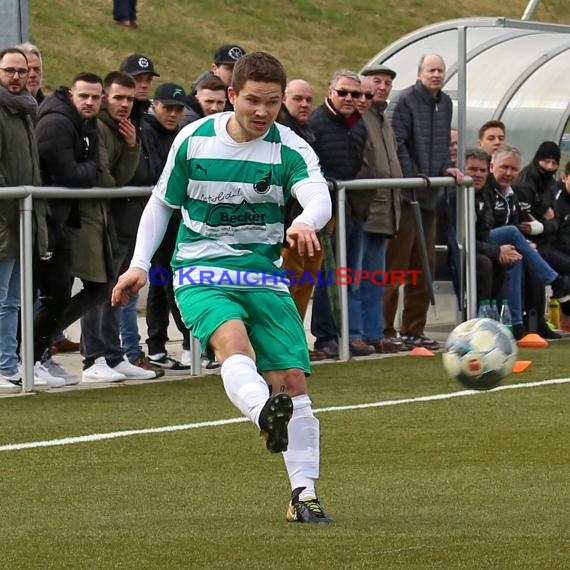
532	340
421	351
521	365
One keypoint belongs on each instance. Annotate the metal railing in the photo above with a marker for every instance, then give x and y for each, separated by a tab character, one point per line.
465	236
26	194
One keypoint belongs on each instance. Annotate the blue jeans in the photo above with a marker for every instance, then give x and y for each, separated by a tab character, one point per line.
9	305
354	260
125	10
374	259
531	261
129	330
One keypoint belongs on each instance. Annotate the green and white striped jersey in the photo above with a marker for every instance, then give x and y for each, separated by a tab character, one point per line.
232	197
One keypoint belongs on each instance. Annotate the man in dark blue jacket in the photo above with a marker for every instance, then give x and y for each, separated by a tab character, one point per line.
422	123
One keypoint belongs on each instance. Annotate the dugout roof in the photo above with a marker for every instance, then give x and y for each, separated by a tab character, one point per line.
515	71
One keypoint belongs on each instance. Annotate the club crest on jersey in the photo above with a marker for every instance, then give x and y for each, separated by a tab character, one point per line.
262	187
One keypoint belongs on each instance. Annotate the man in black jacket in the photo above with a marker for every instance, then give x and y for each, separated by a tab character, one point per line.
159	129
505	166
69	156
539	221
340	135
422	123
563	236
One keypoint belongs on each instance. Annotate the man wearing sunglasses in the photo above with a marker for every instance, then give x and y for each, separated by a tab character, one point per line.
366	95
339	141
19	165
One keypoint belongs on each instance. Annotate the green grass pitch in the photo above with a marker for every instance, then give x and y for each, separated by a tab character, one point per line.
472	482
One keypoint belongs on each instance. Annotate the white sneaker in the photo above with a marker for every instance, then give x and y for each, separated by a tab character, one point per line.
7	385
186	357
43	380
57	370
133	372
101	372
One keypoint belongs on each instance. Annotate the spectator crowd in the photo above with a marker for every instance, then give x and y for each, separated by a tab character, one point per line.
117	130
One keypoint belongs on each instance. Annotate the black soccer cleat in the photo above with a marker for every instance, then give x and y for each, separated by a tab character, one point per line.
306	510
273	421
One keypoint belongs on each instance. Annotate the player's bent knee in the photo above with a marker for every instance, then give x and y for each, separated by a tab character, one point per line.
294	382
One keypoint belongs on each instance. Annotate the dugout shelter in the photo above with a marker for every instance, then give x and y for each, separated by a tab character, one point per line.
512	70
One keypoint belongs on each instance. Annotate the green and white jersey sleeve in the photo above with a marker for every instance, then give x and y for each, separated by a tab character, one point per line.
232	196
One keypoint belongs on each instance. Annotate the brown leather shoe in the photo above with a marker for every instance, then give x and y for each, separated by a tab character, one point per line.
387	346
359	348
143	362
65	345
316	355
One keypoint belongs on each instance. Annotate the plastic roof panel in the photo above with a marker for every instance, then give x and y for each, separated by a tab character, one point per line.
516	71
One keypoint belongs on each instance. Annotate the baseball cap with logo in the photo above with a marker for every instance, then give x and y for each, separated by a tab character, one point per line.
170	94
228	54
136	64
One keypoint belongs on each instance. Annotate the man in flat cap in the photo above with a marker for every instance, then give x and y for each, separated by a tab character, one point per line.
379	210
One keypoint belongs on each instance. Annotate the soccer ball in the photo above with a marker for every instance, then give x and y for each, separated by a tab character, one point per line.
479	353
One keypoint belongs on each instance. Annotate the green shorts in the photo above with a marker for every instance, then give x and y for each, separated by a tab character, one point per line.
270	317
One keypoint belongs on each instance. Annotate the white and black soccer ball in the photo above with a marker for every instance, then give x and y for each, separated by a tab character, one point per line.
479	353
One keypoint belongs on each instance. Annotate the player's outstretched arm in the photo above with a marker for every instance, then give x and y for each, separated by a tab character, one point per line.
303	238
315	199
152	227
129	283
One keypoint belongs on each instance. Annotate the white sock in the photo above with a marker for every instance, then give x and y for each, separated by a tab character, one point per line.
156	356
245	388
302	455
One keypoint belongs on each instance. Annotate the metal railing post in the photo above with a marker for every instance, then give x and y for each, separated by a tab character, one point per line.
344	352
195	356
470	253
26	292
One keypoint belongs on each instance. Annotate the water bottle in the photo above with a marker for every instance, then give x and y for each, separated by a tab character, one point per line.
484	311
494	311
506	318
554	313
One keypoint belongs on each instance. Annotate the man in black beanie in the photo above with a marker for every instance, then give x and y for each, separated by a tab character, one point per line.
536	189
539	219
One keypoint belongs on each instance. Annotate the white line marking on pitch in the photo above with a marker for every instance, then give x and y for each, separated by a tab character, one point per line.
183	427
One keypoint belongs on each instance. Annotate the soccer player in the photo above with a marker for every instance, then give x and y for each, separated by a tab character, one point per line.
231	174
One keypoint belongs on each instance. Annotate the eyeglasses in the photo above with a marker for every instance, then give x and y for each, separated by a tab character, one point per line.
368	96
345	93
21	71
